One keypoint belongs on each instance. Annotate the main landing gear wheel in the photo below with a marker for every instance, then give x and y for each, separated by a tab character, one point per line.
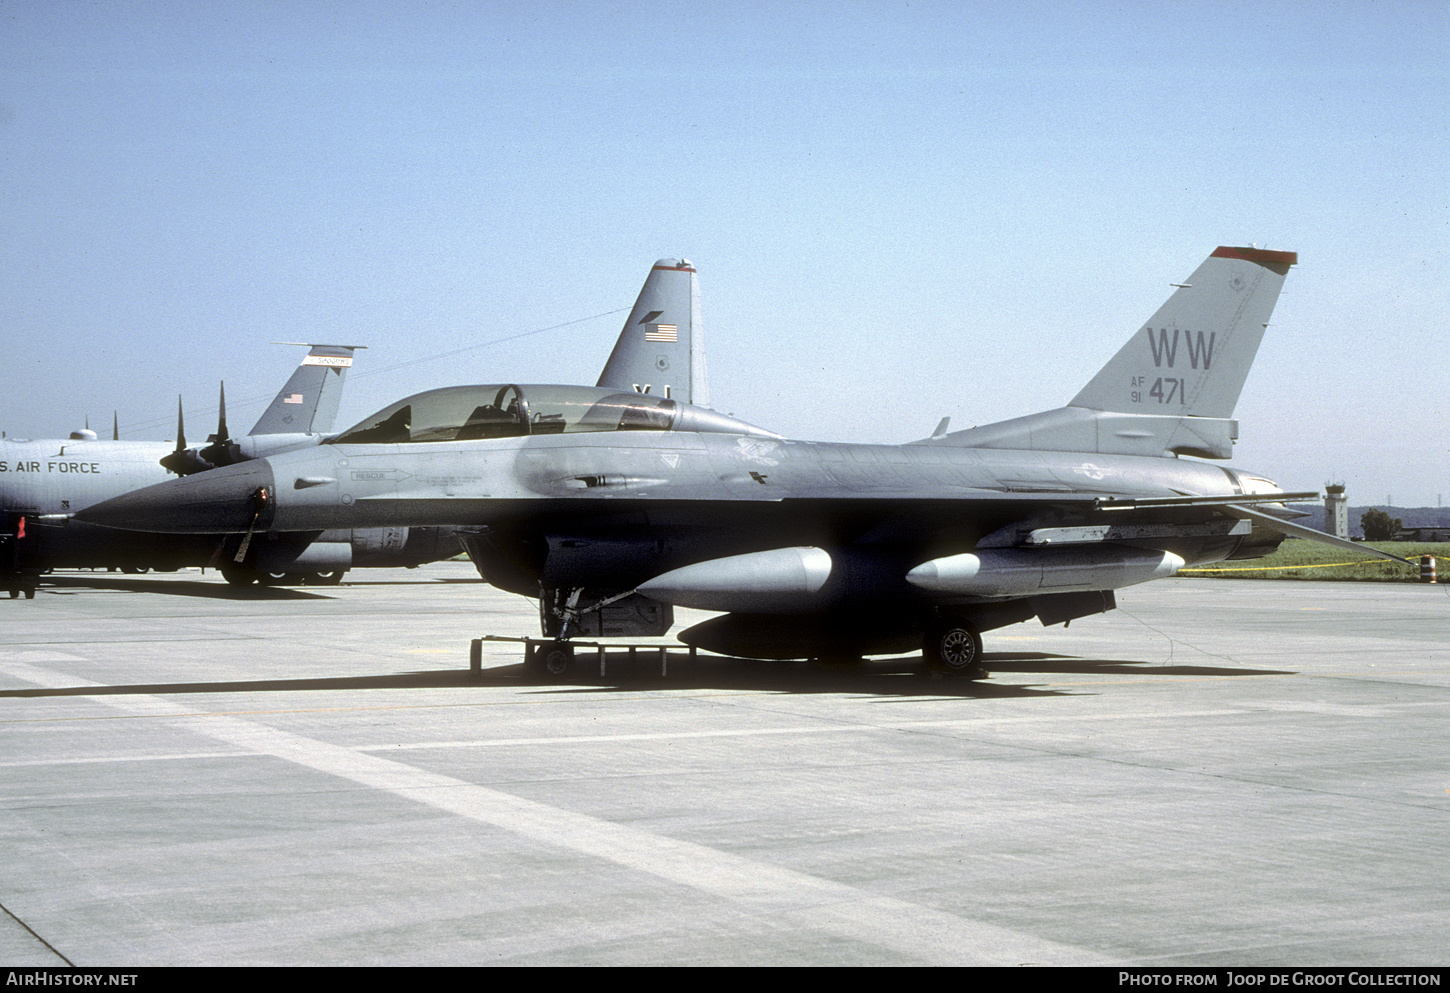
954	647
839	660
281	578
238	575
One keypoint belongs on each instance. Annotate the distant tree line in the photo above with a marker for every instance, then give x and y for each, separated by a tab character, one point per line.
1378	525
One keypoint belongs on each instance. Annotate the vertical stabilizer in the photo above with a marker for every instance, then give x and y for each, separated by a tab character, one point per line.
1172	388
308	403
1193	355
661	349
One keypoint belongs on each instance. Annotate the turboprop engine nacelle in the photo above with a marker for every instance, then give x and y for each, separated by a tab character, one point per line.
780	581
317	556
1015	572
345	549
261	446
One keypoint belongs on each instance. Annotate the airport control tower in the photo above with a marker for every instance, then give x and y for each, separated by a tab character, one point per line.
1336	510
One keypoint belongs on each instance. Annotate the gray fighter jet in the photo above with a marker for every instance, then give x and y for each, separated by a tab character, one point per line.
613	507
44	483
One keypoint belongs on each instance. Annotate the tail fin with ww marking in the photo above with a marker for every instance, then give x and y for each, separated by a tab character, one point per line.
1172	388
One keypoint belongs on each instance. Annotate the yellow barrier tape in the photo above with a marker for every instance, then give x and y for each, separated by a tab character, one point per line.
1279	568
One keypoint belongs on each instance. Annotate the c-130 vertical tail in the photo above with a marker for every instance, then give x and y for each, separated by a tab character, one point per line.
1172	388
307	404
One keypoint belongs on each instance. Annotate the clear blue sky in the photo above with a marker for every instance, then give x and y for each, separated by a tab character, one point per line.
899	211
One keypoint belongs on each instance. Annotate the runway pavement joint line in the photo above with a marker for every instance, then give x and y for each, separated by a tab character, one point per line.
920	933
31	931
968	723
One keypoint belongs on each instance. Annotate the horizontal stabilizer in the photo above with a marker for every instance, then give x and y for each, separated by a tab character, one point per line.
1300	531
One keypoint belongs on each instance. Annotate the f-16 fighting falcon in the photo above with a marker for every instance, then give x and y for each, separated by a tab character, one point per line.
613	507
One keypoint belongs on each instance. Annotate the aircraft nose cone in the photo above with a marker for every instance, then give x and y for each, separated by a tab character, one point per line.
220	501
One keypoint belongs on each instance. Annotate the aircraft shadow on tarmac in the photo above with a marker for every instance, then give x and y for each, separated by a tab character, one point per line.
1044	662
898	677
177	587
216	590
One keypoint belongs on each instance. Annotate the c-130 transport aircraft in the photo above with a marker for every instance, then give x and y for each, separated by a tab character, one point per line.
611	508
44	481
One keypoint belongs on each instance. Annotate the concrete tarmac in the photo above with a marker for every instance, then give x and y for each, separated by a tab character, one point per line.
1218	773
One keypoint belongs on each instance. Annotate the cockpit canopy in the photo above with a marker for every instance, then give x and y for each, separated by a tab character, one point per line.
467	413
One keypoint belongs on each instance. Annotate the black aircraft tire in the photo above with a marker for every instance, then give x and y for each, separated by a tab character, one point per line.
326	578
554	661
30	592
955	647
14	592
238	575
839	660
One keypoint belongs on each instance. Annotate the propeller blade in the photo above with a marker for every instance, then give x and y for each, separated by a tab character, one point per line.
219	451
183	461
221	423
